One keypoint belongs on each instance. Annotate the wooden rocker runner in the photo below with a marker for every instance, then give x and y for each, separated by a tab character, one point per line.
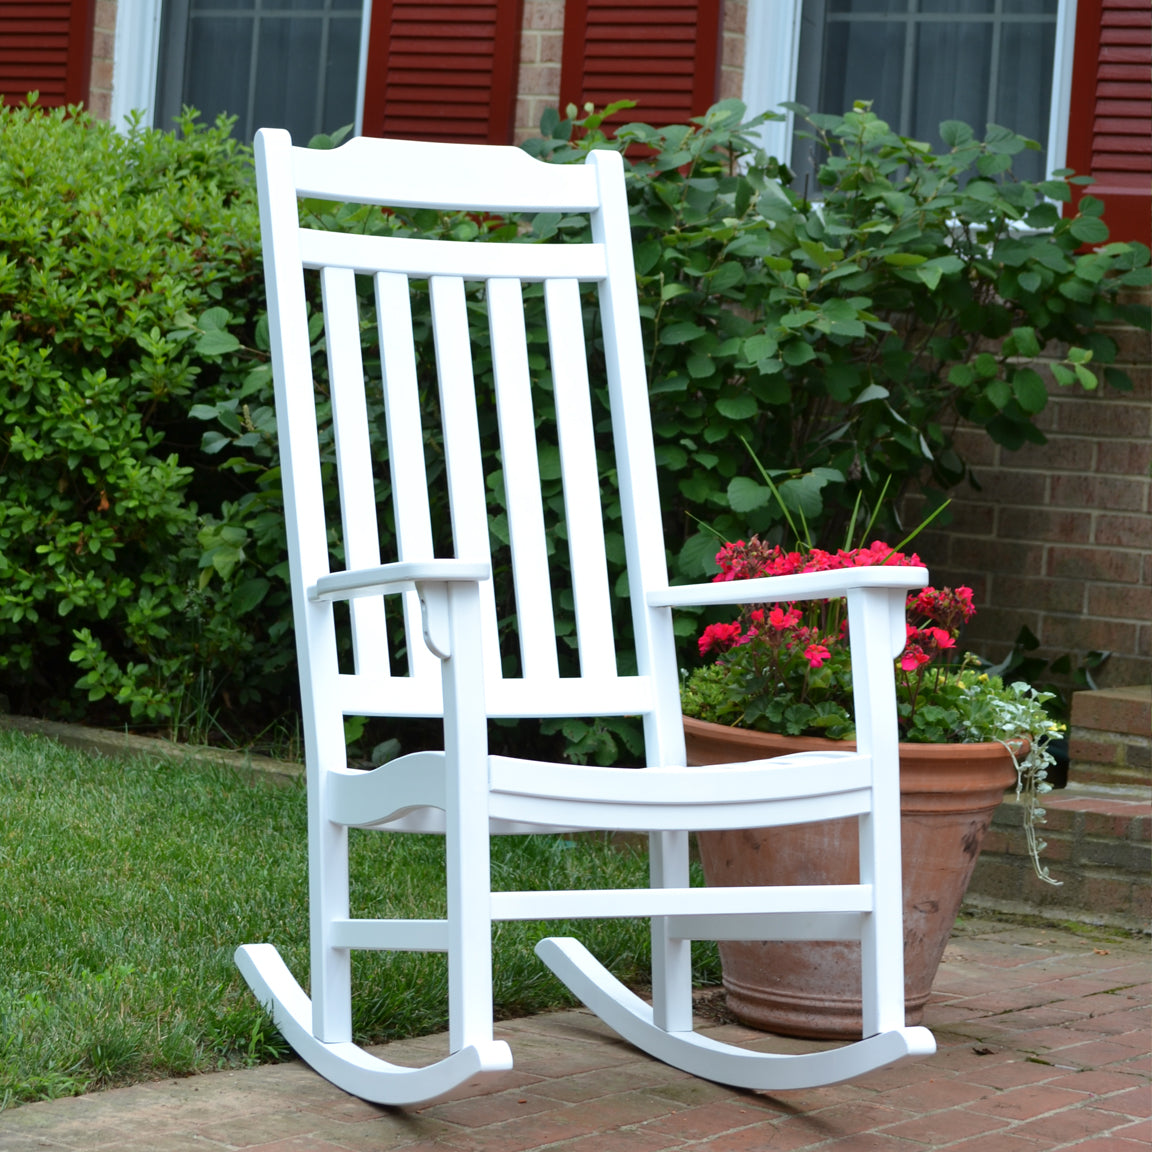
440	612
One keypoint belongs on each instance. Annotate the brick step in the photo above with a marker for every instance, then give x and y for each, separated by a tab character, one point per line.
1099	845
1111	738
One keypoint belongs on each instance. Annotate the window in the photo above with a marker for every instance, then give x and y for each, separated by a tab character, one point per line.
291	64
924	61
920	62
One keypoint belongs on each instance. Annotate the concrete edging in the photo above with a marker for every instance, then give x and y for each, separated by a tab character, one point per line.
121	744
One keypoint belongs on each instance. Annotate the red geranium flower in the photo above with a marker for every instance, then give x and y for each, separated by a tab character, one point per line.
718	638
816	654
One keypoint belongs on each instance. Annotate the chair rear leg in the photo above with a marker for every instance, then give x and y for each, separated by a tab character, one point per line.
671	958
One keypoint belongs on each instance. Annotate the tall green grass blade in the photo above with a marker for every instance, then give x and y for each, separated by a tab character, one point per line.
805	540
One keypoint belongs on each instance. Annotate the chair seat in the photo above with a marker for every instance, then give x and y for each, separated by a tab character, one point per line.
536	795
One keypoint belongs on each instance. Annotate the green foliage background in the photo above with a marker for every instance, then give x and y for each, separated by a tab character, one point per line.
115	252
141	535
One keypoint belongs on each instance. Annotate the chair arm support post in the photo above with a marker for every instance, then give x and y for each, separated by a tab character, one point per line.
466	787
434	618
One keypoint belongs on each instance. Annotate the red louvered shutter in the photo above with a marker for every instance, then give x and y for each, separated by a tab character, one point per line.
1110	121
46	47
443	70
664	54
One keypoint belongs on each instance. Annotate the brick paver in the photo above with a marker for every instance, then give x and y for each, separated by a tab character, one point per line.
1044	1040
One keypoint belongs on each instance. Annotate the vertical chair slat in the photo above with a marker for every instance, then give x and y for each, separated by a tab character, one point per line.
353	457
581	478
535	620
462	446
405	451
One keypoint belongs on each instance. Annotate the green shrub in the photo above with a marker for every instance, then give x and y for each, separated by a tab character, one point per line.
115	252
843	340
141	529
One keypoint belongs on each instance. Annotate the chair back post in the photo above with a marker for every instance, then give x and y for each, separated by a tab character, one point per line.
636	462
647	571
308	560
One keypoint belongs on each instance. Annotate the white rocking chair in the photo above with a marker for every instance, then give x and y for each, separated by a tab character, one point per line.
447	621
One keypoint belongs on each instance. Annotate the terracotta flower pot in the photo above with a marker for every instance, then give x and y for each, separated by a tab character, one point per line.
948	793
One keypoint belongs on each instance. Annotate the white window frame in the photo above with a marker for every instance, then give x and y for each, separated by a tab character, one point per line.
136	60
772	47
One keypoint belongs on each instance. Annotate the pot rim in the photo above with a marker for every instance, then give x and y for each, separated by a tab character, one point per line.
977	750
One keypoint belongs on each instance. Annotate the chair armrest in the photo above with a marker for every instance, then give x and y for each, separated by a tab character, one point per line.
804	586
400	577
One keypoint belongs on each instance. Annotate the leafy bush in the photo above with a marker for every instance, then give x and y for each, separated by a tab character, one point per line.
844	339
141	531
115	252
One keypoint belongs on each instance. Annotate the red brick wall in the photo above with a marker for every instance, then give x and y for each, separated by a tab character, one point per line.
99	101
541	41
732	50
1060	537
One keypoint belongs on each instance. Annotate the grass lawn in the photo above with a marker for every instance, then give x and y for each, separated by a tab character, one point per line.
125	887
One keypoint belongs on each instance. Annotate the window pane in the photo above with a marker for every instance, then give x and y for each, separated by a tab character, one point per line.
924	61
296	5
953	64
270	63
341	72
956	7
857	6
1024	92
286	77
1032	8
863	62
216	79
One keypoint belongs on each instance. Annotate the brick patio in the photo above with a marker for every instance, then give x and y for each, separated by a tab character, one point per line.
1044	1038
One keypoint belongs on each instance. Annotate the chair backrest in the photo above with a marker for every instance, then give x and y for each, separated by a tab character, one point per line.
534	682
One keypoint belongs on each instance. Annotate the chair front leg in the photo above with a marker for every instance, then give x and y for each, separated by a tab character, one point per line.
466	814
877	629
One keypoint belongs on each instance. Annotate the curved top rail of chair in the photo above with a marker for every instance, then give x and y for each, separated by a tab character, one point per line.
804	586
415	173
400	577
